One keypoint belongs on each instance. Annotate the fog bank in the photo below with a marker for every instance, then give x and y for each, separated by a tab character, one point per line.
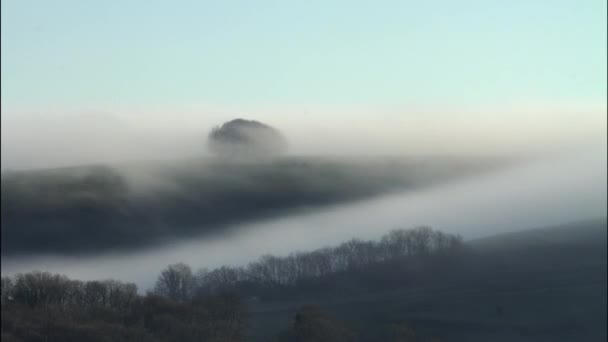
544	192
54	137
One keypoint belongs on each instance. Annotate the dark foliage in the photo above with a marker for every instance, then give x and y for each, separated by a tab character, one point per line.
350	266
47	307
412	285
92	209
40	306
246	138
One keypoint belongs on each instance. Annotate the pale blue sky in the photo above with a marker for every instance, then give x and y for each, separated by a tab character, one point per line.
148	53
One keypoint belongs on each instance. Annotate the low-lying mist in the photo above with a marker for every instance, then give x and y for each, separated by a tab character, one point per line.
34	138
538	193
152	195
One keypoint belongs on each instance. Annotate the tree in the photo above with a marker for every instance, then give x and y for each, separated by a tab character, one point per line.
176	282
402	332
422	240
40	288
7	290
95	293
120	295
241	138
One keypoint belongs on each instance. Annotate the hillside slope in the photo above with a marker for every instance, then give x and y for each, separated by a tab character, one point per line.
538	285
96	208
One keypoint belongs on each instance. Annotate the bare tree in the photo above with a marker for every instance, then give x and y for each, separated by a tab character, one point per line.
7	290
176	282
95	294
40	288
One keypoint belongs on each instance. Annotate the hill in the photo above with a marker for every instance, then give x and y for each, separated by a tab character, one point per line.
585	232
411	285
544	284
92	209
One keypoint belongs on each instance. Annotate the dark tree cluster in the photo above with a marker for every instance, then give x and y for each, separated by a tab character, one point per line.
40	306
207	305
246	138
272	274
91	209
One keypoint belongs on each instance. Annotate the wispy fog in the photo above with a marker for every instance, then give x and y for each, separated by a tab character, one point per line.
52	137
562	179
546	191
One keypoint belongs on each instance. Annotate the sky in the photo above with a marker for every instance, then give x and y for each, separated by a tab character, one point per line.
300	52
173	64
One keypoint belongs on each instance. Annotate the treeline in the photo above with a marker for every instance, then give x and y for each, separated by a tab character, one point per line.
208	305
40	306
272	275
92	209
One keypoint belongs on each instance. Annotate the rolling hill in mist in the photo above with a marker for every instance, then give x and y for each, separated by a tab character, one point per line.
546	284
417	284
91	209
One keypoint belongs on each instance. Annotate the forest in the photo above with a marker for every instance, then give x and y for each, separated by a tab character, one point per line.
207	305
415	284
94	209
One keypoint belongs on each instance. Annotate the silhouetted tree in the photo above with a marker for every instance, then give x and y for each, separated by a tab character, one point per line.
244	138
175	282
6	292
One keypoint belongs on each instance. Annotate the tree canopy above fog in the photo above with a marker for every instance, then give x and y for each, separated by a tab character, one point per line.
242	138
